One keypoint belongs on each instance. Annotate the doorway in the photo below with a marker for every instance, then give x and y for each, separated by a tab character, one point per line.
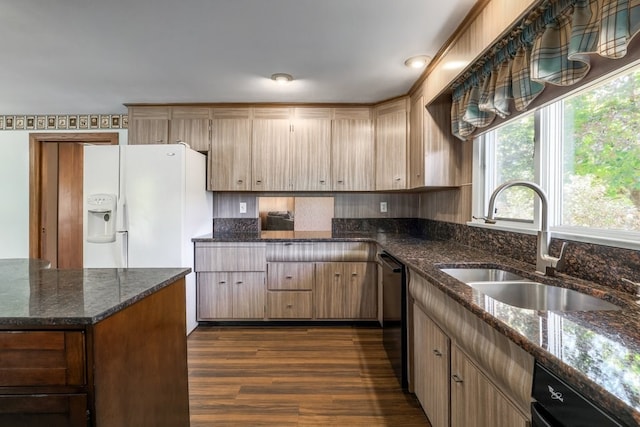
56	214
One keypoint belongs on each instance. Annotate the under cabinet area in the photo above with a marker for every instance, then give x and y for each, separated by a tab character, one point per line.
464	372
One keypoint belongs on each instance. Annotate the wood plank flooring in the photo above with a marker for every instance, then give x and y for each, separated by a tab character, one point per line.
295	376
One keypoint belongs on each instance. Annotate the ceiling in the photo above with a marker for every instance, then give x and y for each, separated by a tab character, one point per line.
92	56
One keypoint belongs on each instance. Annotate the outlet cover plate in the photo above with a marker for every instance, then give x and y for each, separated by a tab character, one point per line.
243	207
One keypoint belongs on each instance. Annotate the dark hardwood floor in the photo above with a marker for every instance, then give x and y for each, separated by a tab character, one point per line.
295	376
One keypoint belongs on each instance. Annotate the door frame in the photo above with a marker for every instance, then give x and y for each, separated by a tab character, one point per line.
36	148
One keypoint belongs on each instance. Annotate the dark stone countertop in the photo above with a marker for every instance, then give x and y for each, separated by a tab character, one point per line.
597	352
32	295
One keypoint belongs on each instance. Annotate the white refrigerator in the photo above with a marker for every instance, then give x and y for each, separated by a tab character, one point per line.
143	204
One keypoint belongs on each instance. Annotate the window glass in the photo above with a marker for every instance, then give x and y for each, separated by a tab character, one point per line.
513	150
601	155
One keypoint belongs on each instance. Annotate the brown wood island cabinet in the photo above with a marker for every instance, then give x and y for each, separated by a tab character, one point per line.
93	348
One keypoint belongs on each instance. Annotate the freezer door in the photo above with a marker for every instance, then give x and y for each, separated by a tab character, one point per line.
100	176
154	188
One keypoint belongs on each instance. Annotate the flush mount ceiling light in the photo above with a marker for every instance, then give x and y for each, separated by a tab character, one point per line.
281	78
418	61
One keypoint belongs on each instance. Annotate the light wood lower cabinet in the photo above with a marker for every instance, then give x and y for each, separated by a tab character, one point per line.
464	372
431	365
345	290
223	295
475	400
289	304
290	290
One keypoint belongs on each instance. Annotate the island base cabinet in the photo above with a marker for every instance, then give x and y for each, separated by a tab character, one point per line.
475	401
53	410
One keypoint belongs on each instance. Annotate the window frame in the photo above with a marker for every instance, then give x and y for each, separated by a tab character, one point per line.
548	163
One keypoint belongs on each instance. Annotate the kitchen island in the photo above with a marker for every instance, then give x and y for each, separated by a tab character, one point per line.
99	347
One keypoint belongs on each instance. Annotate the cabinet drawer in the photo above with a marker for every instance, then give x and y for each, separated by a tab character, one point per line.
321	251
53	410
212	257
42	358
290	275
289	304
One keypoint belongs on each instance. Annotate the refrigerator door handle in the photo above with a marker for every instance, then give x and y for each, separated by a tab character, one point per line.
124	249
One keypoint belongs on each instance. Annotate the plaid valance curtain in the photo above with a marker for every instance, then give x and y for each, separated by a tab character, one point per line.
551	45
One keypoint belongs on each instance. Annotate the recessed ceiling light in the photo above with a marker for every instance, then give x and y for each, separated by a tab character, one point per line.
418	61
281	78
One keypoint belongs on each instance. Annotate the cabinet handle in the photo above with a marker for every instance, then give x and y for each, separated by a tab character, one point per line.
288	277
322	181
258	182
240	181
239	282
397	178
337	274
457	379
354	274
340	181
288	244
289	305
222	282
437	353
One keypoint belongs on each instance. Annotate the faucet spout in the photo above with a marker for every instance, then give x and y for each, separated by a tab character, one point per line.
545	263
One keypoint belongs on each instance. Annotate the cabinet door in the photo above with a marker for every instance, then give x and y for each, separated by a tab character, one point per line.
270	150
148	125
475	401
215	300
311	155
230	155
416	142
361	293
352	155
391	146
290	276
330	291
431	368
190	125
248	295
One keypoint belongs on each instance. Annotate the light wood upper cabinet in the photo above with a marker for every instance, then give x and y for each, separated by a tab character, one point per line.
190	125
270	148
431	365
311	149
416	142
475	400
352	151
391	145
230	154
149	125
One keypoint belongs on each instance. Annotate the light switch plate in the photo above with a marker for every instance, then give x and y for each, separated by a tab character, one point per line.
243	207
383	207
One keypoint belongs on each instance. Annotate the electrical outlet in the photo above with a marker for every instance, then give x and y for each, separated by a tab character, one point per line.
383	207
243	207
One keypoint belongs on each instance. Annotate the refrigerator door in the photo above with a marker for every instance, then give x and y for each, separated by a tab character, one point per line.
154	188
101	176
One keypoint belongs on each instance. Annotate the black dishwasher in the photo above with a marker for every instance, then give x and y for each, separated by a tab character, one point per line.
558	405
394	315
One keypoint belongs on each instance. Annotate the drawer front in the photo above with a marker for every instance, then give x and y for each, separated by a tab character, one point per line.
289	304
321	251
230	258
290	275
52	410
42	358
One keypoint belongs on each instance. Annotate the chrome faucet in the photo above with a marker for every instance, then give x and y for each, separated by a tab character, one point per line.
545	263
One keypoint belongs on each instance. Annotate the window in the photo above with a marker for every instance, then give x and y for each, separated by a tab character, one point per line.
583	150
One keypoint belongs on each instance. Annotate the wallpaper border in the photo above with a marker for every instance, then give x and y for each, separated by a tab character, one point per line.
64	122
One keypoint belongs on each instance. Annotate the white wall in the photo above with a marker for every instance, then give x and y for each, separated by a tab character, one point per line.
14	190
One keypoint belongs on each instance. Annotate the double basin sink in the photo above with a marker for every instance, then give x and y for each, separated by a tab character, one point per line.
515	290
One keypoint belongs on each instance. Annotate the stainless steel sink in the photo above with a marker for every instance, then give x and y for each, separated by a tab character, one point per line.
468	275
517	291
